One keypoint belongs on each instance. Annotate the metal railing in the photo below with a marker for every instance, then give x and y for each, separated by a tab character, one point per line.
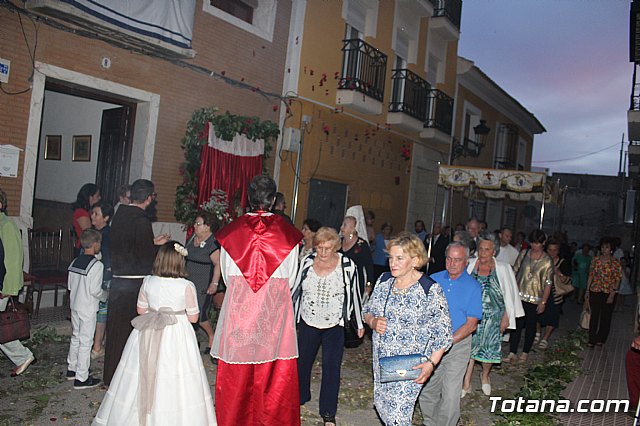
410	94
440	111
363	68
504	163
451	9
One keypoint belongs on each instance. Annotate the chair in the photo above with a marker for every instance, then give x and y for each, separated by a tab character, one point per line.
45	247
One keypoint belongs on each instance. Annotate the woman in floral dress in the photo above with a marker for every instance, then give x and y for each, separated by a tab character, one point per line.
405	321
604	280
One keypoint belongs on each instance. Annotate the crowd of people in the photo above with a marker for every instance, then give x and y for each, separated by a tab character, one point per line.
434	301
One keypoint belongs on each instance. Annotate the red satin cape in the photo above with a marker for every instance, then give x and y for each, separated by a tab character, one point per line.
258	244
258	394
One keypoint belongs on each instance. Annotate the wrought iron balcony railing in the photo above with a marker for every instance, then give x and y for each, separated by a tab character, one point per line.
504	163
440	111
410	94
451	9
363	68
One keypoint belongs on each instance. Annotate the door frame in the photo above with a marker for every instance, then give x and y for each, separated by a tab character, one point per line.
144	133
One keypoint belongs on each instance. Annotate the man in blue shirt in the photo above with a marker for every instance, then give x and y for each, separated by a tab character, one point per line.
440	398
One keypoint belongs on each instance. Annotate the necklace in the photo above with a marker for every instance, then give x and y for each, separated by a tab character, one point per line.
400	291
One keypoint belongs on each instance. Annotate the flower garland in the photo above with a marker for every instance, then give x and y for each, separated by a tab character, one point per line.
197	134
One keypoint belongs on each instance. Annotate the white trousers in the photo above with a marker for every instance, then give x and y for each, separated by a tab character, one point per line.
84	327
14	350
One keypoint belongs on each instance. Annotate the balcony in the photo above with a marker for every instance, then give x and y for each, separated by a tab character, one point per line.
408	107
361	85
446	18
437	125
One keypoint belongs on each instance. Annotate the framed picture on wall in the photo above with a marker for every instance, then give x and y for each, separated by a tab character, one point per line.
53	147
81	148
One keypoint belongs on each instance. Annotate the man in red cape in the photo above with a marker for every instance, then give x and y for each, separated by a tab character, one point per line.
255	339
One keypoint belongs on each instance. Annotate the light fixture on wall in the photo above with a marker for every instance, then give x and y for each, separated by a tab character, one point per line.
472	148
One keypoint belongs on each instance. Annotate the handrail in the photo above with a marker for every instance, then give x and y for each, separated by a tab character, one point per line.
363	68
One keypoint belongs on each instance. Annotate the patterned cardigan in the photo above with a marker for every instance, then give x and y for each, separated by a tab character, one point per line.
352	305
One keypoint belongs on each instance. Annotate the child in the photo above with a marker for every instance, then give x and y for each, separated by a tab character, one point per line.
85	286
160	378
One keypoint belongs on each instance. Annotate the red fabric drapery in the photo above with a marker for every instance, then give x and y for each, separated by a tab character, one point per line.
228	172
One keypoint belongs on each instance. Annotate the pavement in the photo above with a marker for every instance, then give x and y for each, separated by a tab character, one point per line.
42	395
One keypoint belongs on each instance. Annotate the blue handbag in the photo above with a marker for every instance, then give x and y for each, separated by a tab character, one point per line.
400	367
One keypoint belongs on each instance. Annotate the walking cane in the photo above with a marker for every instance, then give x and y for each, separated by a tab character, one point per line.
433	219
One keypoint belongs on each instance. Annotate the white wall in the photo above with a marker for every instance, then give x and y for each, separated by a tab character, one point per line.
68	115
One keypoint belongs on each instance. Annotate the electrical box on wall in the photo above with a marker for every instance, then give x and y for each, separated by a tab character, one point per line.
5	66
291	139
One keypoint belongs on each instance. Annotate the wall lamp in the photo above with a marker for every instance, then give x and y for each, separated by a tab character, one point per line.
472	148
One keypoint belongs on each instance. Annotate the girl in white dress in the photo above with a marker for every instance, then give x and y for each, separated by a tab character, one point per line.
160	379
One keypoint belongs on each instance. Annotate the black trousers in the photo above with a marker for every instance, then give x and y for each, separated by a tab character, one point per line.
309	340
528	322
123	297
601	313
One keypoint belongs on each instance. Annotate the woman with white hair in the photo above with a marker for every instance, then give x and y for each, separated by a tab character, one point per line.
500	307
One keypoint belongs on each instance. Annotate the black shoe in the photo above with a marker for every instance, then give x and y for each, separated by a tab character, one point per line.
71	375
329	420
87	384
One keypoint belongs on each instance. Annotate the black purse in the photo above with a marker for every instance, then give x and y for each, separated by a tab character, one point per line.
398	368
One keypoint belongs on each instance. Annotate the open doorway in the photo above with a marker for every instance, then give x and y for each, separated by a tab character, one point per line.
101	131
84	137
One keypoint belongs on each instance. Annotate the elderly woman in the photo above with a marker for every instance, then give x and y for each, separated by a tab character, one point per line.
309	228
357	249
326	289
603	284
534	273
203	265
500	307
406	320
88	195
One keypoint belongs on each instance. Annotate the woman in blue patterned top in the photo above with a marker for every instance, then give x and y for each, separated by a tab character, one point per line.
405	320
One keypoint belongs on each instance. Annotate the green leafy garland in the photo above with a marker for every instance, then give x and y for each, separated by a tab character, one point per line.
226	127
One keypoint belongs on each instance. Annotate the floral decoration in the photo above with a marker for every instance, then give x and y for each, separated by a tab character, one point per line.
405	152
226	126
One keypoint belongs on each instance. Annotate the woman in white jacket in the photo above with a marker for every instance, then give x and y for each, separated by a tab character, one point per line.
500	307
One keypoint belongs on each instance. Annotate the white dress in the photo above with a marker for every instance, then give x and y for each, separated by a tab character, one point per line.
182	393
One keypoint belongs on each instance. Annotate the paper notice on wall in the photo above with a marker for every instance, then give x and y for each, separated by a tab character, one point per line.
9	156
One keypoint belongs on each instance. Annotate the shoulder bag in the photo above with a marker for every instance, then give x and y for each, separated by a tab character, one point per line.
400	367
14	322
563	286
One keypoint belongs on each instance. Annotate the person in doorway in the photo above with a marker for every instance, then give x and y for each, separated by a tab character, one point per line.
88	195
11	278
255	339
420	230
124	196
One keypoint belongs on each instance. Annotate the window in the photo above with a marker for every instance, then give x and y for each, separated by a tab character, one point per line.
522	154
406	32
507	147
510	217
255	16
472	116
362	15
435	58
238	8
477	209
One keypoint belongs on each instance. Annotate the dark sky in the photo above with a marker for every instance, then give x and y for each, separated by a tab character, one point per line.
567	62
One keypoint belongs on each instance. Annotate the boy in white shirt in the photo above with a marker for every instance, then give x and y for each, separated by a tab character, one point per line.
85	286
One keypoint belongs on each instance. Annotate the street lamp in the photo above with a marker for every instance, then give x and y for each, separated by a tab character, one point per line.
472	148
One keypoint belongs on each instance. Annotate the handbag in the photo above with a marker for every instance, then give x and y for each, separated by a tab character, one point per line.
397	368
563	286
585	317
14	322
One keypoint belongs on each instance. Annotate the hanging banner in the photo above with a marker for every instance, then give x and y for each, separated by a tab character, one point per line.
491	179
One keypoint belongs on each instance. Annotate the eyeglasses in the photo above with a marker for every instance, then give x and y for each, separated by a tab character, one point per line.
198	224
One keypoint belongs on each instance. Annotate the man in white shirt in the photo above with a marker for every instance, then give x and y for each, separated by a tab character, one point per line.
508	253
